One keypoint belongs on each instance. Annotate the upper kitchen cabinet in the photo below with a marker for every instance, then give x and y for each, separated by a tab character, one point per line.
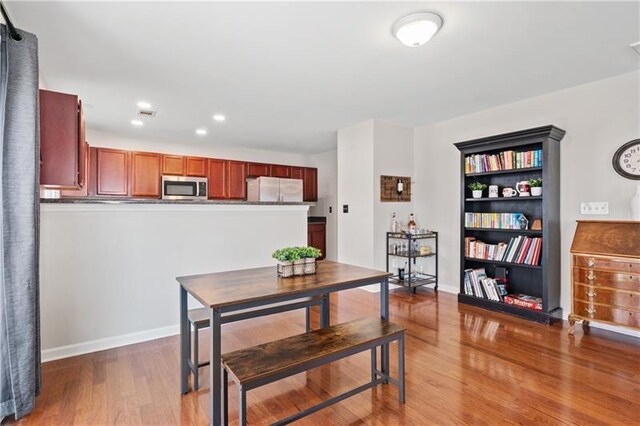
217	179
280	171
173	165
258	169
145	174
237	178
227	179
310	184
62	141
111	171
196	167
297	172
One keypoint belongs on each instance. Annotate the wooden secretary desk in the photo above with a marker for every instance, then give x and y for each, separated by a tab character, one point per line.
605	274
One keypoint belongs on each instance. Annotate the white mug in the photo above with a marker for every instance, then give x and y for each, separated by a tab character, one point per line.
493	191
509	192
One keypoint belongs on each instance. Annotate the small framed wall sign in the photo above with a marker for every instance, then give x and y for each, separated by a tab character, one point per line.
395	188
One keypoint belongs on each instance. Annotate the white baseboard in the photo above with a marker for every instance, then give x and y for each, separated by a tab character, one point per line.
108	343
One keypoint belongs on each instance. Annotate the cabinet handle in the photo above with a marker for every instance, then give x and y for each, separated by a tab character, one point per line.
590	311
591	276
591	263
591	293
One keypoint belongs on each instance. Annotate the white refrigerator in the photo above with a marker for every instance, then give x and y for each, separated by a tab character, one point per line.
274	190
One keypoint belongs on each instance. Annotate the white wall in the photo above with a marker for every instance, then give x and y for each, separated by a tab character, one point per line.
356	188
107	272
598	117
209	148
327	165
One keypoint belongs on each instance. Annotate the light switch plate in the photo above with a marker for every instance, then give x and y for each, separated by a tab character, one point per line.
594	207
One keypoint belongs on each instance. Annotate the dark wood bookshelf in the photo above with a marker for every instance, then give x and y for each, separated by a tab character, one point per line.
535	280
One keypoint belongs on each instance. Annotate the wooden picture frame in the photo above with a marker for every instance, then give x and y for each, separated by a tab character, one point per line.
389	192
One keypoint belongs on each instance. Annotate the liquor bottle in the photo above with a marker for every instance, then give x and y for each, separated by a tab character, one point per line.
411	225
394	223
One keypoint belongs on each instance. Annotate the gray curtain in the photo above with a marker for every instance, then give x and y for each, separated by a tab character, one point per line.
20	377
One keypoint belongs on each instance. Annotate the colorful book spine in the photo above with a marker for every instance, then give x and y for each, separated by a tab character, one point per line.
505	160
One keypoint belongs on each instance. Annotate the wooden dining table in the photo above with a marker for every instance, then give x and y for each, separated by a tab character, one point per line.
223	292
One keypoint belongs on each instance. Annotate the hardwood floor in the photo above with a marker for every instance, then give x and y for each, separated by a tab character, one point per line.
464	366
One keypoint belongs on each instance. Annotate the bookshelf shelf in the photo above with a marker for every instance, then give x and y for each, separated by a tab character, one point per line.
541	281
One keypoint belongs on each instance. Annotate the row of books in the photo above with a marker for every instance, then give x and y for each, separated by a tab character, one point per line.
506	160
521	249
495	220
478	284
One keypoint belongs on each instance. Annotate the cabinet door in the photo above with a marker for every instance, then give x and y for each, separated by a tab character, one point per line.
196	167
297	172
217	177
316	237
280	171
145	174
237	177
59	140
258	169
310	184
83	149
112	172
173	165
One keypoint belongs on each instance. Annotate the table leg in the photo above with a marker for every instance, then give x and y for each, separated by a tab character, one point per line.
384	314
325	314
184	343
215	374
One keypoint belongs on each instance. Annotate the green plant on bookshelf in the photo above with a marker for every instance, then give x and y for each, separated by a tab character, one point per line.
536	187
476	189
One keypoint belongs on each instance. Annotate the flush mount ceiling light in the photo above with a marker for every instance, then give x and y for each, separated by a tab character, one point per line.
201	132
137	123
219	117
416	29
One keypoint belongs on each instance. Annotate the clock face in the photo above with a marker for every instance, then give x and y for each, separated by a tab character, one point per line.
626	160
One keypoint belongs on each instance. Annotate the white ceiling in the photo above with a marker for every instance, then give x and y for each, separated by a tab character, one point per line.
289	75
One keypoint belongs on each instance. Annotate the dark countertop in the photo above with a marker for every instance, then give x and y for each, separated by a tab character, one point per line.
118	200
316	219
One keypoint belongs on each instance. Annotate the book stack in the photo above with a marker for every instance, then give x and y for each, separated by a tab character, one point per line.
478	284
495	220
524	301
506	160
521	249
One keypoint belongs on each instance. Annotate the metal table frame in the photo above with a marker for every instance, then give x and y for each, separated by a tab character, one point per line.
215	321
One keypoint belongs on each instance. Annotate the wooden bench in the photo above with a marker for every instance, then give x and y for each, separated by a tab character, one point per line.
199	319
257	366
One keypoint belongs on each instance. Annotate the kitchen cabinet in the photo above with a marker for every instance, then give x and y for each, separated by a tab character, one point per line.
112	172
196	167
237	178
310	184
83	191
62	141
316	237
280	171
217	179
258	169
145	174
297	172
173	165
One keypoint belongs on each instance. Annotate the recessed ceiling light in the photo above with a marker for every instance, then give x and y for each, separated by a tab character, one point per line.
416	29
201	132
137	123
219	117
144	105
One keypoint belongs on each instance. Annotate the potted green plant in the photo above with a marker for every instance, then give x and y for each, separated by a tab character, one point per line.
476	189
286	258
310	254
536	187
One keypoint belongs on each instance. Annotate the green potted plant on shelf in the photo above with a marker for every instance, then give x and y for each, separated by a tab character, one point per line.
536	187
309	254
476	189
286	258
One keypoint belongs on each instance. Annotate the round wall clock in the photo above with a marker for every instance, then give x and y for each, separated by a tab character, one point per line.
626	160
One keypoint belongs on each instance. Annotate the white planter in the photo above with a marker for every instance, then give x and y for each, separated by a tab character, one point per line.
285	269
477	194
536	191
634	203
298	267
310	266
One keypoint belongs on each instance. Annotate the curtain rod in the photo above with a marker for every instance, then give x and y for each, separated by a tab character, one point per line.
12	30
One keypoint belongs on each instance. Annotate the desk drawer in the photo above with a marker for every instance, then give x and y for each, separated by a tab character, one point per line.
617	280
607	263
620	299
607	313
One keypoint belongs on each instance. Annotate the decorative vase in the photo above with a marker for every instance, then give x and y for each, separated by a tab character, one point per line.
285	269
536	191
477	194
634	203
310	265
298	267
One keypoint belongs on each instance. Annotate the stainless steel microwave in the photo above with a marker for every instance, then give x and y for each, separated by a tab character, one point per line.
184	188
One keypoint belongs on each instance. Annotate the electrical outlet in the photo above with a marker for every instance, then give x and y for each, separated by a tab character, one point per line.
594	207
